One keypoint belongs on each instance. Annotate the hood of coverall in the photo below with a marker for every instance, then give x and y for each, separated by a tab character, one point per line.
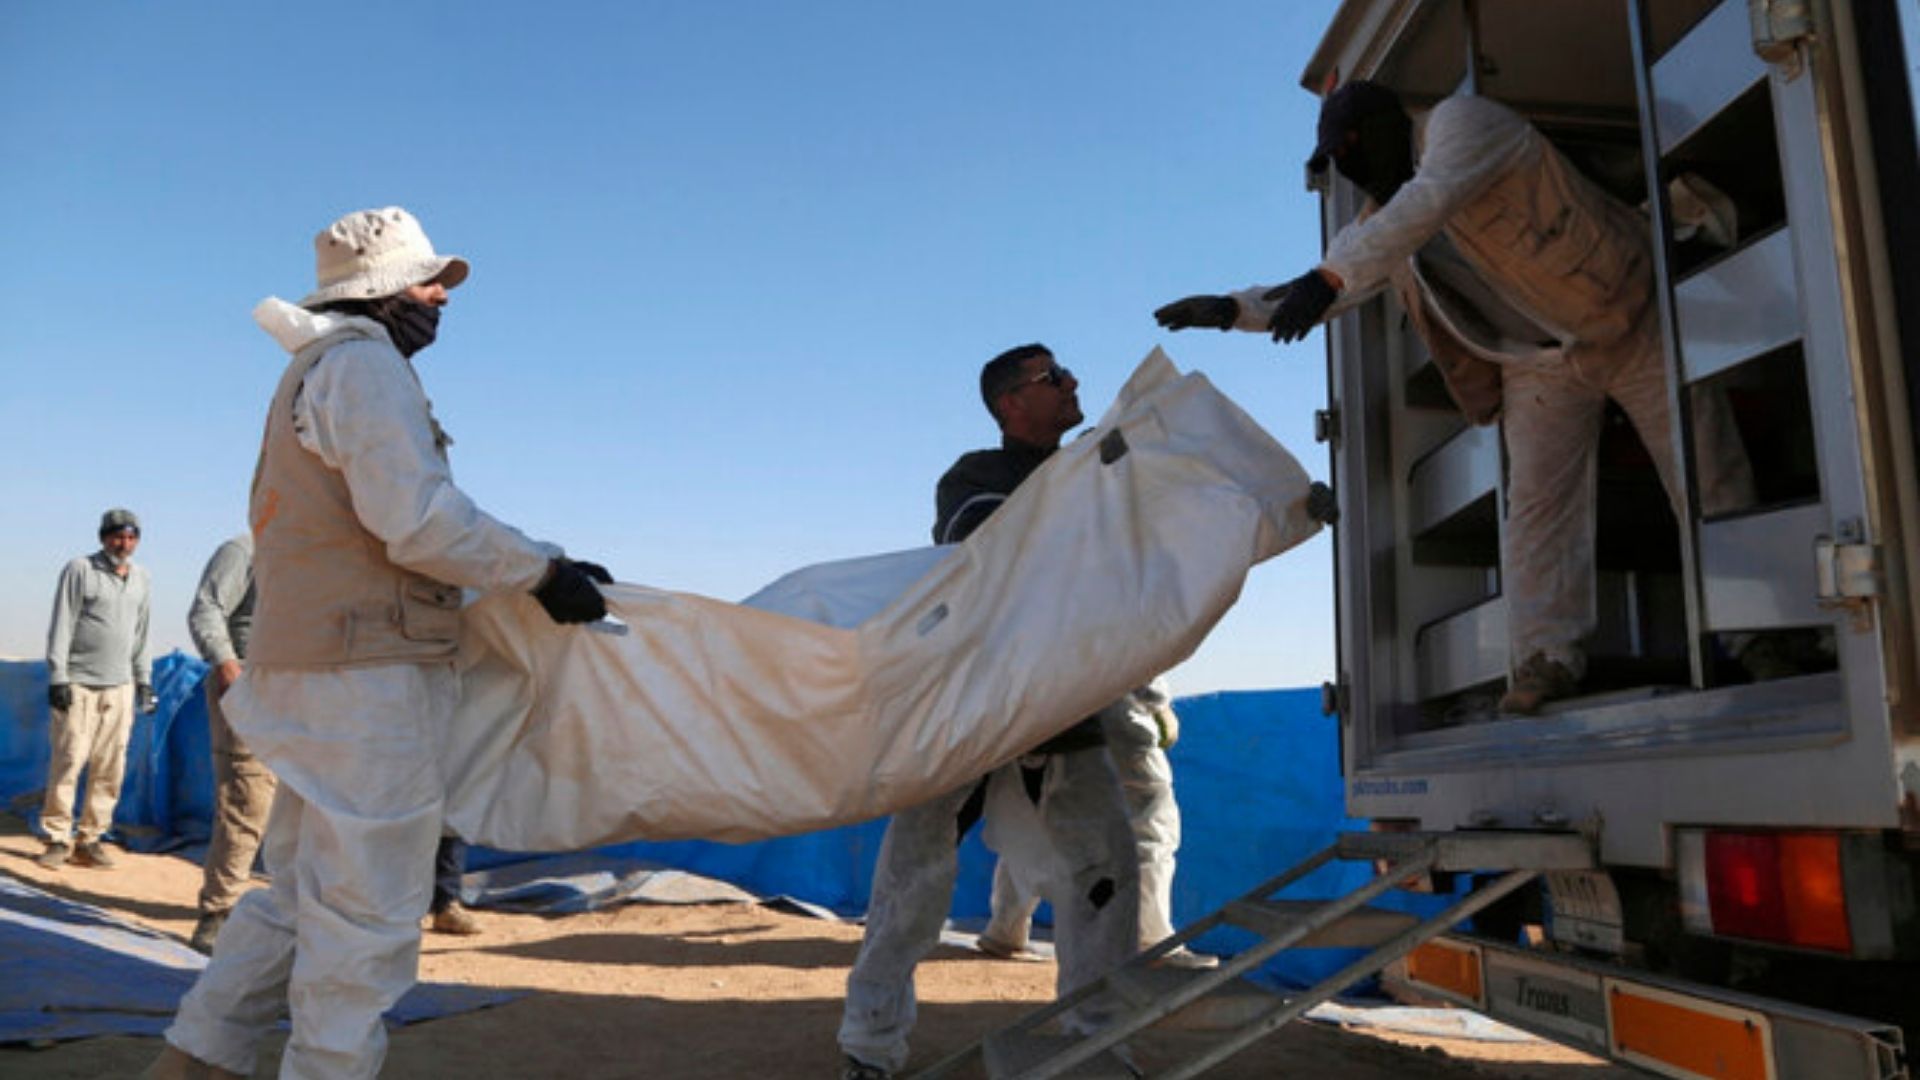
295	327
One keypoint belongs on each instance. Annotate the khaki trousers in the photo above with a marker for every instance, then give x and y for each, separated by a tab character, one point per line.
242	795
89	734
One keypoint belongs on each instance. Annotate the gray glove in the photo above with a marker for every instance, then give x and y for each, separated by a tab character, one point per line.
60	697
144	699
1219	312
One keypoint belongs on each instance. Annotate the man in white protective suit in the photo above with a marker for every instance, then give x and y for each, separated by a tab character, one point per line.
1139	729
1056	817
1533	290
363	545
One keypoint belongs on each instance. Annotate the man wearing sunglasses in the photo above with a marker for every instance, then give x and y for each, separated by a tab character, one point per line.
1057	817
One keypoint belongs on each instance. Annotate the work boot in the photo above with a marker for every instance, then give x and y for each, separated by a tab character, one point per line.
205	931
1007	950
1538	681
852	1068
455	919
1185	959
55	856
94	853
176	1064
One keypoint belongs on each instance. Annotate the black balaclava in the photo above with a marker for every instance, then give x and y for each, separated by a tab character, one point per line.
411	324
1378	157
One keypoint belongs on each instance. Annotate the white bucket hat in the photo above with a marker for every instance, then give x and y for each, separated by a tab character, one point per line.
374	253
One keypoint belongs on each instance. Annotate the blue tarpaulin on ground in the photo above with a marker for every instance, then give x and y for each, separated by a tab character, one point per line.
70	971
1257	775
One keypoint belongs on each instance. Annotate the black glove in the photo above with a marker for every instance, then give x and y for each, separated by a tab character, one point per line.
1302	302
595	571
1321	505
569	595
60	696
1218	312
144	699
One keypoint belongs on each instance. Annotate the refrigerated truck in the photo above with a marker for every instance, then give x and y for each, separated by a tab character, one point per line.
1744	753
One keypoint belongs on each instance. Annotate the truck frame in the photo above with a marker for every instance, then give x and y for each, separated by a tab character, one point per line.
1745	753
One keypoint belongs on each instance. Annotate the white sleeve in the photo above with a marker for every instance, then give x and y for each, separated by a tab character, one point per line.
1469	142
362	412
1255	311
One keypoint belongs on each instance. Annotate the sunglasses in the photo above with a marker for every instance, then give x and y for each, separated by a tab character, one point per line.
1055	376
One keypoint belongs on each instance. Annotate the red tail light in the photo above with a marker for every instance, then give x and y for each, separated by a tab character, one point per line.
1779	887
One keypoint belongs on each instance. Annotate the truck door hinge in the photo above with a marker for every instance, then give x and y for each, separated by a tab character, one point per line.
1333	699
1847	572
1326	425
1779	27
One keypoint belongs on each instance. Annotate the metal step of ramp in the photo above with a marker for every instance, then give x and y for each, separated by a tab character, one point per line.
1015	1053
1233	1012
1220	1007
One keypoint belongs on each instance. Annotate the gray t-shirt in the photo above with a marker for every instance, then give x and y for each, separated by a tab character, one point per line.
98	636
222	613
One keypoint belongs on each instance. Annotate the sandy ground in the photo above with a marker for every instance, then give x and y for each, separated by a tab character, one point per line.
714	989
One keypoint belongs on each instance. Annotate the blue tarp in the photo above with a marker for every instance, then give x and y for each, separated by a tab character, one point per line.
167	799
1257	775
70	970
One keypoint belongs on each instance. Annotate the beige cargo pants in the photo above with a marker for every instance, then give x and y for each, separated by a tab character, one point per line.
89	734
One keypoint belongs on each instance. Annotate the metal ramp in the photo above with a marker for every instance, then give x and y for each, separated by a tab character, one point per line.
1144	994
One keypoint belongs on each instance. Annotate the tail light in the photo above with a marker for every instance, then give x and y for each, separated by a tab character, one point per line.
1785	888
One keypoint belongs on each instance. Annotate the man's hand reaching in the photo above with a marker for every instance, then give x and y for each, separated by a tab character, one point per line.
1219	312
1303	302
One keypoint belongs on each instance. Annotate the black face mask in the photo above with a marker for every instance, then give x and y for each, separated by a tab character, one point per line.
1380	157
411	324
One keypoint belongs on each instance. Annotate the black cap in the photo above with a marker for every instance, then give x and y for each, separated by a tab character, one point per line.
117	519
1343	110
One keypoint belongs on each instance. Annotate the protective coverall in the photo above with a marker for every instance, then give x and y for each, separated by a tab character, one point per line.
1533	290
1067	842
356	746
1136	732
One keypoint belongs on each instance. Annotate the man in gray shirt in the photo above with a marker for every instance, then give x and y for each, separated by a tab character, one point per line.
97	674
219	620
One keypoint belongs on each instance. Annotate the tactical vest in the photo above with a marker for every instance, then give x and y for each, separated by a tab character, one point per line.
327	596
1560	249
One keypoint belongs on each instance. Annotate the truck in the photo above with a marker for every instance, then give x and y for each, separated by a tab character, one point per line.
1705	862
1743	756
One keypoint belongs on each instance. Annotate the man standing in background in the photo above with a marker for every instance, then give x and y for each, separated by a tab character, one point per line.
447	915
97	674
219	620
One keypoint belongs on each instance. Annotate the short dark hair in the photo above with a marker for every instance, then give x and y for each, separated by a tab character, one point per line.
1001	372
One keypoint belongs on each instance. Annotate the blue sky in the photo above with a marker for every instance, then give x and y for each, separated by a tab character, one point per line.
736	265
